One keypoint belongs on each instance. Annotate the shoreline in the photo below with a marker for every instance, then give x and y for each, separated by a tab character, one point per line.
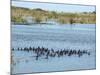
51	24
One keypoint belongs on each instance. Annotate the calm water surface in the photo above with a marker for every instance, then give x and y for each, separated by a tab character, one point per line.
78	36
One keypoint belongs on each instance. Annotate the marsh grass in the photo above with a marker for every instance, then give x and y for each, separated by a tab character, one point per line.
40	15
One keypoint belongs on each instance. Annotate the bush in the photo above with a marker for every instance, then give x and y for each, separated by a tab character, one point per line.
71	21
38	20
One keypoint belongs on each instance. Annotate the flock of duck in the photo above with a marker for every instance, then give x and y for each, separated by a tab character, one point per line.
42	51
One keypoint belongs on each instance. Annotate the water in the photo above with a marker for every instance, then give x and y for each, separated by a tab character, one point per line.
78	36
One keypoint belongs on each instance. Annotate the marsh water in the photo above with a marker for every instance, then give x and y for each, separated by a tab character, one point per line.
76	36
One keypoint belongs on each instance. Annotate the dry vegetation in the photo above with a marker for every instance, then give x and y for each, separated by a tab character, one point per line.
21	15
